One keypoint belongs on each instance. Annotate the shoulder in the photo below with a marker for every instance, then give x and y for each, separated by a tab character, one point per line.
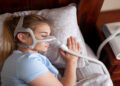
31	65
30	56
29	59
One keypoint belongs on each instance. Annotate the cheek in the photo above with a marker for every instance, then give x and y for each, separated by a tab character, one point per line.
41	46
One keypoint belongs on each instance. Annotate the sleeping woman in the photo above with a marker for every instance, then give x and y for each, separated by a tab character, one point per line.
26	66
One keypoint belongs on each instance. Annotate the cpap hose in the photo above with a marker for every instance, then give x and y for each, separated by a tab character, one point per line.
106	41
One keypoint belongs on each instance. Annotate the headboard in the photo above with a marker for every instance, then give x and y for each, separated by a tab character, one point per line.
88	10
108	17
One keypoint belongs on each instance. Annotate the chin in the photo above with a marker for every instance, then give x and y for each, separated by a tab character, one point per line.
43	51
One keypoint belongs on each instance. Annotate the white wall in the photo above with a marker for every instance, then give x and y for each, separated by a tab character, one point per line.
110	5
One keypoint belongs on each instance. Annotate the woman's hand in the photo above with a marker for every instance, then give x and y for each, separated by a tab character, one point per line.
74	46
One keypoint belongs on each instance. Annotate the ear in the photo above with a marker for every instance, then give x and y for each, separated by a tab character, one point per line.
22	37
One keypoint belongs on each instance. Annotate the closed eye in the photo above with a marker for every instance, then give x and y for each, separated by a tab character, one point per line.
44	36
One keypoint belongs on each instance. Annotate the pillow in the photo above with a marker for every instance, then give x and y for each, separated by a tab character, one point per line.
63	25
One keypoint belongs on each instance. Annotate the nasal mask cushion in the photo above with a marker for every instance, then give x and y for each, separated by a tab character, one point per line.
20	28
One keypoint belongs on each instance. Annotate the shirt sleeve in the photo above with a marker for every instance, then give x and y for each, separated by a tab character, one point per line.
30	69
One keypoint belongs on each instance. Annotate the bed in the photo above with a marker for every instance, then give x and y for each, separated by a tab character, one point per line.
87	14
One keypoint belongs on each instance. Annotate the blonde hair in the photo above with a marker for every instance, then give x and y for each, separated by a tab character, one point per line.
8	43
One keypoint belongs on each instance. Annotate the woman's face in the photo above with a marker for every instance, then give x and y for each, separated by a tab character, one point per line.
41	31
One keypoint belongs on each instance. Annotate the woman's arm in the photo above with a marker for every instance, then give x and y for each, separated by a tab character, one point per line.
69	77
47	79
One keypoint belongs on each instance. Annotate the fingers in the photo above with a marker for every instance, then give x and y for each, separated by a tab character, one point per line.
78	46
73	44
69	43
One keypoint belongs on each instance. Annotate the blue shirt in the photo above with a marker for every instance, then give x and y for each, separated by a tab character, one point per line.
21	68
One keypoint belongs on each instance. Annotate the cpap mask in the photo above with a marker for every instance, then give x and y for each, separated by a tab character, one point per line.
20	28
54	41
